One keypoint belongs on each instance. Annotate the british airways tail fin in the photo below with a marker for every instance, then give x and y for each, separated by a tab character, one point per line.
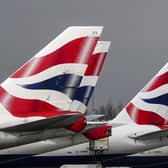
90	78
150	105
38	88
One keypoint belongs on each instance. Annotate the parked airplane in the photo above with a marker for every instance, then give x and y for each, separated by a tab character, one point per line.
44	98
142	125
84	92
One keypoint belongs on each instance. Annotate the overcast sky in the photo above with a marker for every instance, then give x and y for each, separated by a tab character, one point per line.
138	30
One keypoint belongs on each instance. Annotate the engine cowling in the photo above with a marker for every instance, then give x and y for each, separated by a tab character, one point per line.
99	132
79	125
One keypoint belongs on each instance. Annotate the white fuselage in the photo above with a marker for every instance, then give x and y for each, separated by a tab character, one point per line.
119	143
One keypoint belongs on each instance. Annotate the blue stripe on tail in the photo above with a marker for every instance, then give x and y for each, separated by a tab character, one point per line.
163	100
83	94
58	83
65	82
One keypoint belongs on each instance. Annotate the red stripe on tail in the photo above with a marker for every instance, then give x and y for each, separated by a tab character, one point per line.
69	53
157	82
144	117
28	108
95	64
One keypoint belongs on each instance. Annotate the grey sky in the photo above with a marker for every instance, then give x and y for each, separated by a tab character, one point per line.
138	30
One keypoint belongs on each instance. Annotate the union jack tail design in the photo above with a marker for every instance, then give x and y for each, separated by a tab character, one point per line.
150	105
92	73
52	82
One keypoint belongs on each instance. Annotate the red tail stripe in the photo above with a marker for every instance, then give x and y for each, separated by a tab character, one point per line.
28	108
157	82
69	53
144	117
95	64
164	127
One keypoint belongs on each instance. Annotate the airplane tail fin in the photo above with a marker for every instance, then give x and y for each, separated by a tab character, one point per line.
41	86
95	64
150	105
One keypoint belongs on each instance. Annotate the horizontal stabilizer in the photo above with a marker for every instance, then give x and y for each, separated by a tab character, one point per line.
61	121
94	117
113	125
150	135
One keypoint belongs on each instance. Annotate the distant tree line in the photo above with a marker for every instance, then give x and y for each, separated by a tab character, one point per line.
109	110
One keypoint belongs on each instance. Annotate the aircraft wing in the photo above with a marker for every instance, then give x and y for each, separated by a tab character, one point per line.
150	135
61	121
60	126
26	133
64	139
